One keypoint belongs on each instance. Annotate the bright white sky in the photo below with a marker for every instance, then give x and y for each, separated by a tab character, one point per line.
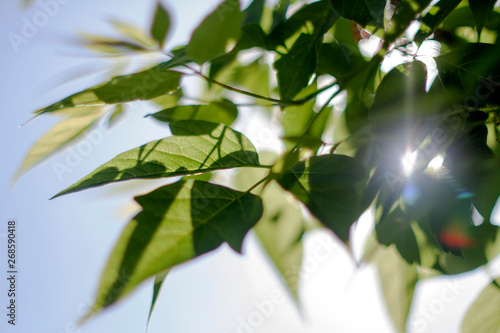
64	243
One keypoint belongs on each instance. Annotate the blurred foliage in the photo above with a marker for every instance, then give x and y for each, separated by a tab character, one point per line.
418	142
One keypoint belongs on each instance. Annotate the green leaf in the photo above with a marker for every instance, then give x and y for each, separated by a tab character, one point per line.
135	34
178	222
327	185
116	115
105	44
404	13
484	314
159	279
224	112
217	31
252	35
253	13
161	24
27	3
168	100
396	229
339	59
296	67
281	227
362	12
254	78
195	146
396	107
297	118
60	136
280	231
433	19
144	85
398	280
472	70
319	14
481	10
462	17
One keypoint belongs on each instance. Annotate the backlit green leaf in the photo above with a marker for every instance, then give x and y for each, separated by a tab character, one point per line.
195	146
296	67
281	227
398	280
214	36
319	14
362	12
224	112
161	24
60	136
327	185
484	314
135	34
147	84
178	222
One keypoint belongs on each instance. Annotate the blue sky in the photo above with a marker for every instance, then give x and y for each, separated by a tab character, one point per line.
64	243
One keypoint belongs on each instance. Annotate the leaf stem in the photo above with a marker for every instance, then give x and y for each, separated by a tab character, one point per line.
240	91
254	186
316	116
251	94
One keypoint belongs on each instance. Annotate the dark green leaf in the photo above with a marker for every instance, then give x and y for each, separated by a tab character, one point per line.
340	60
148	84
471	74
161	24
432	20
195	146
404	13
178	222
253	36
296	67
159	279
484	314
327	185
224	112
253	13
216	33
484	247
462	17
481	10
362	12
319	14
396	229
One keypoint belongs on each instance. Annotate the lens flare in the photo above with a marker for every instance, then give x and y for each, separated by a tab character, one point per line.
408	162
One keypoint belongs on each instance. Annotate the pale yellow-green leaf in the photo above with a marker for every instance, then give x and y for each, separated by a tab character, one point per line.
484	314
60	136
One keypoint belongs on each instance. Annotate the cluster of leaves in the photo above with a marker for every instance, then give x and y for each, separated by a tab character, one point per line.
424	224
